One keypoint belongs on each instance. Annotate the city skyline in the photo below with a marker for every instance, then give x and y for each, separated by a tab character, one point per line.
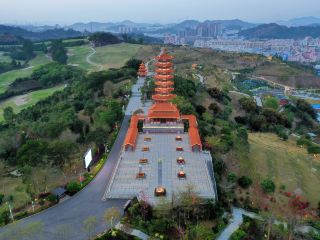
61	12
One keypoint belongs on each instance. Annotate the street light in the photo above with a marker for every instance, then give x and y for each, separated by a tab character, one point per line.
10	210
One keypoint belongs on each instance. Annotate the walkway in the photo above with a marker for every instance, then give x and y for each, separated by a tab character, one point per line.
237	220
201	78
132	231
88	59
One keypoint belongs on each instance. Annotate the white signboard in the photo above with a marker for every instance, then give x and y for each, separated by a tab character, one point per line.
88	158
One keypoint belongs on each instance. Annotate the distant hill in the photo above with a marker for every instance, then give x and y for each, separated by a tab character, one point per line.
234	24
105	27
18	32
297	22
272	30
101	39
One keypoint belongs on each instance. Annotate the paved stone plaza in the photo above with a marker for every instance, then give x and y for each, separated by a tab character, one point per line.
162	169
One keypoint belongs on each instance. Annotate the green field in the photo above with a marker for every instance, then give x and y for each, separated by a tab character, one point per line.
4	58
23	101
115	56
111	56
77	56
283	162
9	77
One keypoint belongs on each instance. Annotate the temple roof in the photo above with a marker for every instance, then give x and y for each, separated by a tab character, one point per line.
164	57
164	110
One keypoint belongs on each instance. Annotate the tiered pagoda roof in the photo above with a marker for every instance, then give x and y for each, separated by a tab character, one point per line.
163	77
142	72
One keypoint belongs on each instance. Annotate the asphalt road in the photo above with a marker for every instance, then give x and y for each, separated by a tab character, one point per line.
87	202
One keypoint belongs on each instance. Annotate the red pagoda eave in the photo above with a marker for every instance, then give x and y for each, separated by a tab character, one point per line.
164	90
164	64
164	70
164	57
163	77
164	84
167	97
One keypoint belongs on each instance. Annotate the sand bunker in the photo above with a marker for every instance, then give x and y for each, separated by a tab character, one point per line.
21	100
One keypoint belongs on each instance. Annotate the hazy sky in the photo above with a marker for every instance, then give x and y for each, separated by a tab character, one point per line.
163	11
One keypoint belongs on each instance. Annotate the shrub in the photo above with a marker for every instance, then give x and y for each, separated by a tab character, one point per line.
268	186
244	182
52	198
4	217
314	149
1	198
238	235
73	187
232	177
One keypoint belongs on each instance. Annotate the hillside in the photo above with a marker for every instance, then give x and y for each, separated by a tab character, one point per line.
14	33
275	31
227	24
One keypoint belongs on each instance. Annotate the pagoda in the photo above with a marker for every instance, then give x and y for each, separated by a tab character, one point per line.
142	72
163	78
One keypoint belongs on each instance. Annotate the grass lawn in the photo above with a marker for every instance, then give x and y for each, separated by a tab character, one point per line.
283	162
4	58
23	101
115	56
8	77
78	57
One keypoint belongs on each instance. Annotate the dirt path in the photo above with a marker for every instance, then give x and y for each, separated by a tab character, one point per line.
88	59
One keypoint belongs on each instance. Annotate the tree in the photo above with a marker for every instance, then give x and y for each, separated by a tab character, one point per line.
268	186
60	151
216	93
90	225
27	50
63	232
248	104
244	182
184	105
8	114
304	106
133	63
271	102
111	216
32	152
58	52
214	107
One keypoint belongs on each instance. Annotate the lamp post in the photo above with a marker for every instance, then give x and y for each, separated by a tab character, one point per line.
32	203
10	210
